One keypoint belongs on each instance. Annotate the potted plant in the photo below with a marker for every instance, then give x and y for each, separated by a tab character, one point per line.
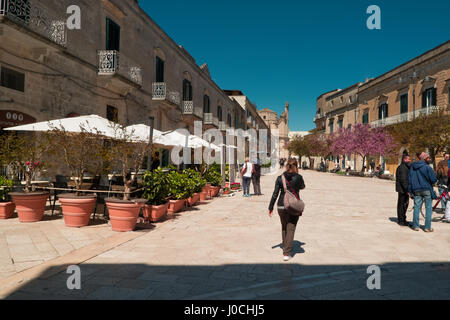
226	190
6	206
235	186
215	178
199	184
24	154
81	153
156	192
180	189
126	155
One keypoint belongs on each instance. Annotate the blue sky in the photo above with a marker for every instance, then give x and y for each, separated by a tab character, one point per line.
290	50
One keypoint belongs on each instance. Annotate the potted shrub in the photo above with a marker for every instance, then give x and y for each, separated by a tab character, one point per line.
180	189
81	153
226	190
25	153
6	206
199	184
235	186
127	156
215	178
156	192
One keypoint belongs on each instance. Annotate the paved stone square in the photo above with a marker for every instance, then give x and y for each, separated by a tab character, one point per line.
229	248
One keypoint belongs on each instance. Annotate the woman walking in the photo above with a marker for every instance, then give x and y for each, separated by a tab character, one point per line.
288	221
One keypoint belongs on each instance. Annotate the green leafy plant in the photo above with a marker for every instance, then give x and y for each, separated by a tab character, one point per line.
5	188
196	177
213	177
156	187
180	186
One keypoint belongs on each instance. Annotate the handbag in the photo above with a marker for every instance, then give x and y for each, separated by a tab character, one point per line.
292	202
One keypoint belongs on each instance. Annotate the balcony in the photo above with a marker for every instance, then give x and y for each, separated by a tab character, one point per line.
188	107
403	117
110	62
161	92
207	118
31	15
223	126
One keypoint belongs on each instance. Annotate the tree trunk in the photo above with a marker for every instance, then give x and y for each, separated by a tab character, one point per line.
364	164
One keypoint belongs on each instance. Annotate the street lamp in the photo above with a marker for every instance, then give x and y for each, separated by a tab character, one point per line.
149	157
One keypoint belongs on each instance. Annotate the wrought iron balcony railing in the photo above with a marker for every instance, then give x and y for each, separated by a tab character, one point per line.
188	107
36	18
161	92
222	125
111	62
403	117
207	118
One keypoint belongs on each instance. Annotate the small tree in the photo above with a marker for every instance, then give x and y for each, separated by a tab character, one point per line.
426	132
24	153
126	155
82	152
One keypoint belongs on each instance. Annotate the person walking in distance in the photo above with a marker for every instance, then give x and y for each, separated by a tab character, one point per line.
443	178
401	186
247	172
256	178
420	184
288	221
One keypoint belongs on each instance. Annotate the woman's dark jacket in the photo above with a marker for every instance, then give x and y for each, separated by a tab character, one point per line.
296	182
401	178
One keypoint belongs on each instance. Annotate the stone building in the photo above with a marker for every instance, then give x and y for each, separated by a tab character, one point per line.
121	65
281	124
416	87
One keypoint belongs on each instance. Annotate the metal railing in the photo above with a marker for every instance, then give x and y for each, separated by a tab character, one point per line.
161	92
188	107
403	117
36	18
207	118
111	62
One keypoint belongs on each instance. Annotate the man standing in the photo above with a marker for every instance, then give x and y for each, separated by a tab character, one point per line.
401	186
420	184
247	172
256	178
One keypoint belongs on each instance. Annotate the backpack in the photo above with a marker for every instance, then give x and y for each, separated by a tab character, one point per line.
292	202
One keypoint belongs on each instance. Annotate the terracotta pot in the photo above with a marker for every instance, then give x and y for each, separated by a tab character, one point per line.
203	196
207	190
214	191
176	205
30	206
192	201
7	210
226	191
123	214
77	210
155	213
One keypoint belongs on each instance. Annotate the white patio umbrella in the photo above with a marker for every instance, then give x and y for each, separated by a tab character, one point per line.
192	141
141	132
91	123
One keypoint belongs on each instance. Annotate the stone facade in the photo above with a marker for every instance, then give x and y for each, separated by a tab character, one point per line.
142	74
418	86
281	124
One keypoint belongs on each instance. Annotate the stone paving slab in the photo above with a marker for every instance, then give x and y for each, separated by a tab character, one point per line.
230	249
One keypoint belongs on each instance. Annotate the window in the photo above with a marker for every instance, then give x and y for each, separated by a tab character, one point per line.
219	113
229	120
236	121
187	90
404	103
159	69
331	126
112	35
383	111
429	97
341	123
206	108
112	114
365	119
12	79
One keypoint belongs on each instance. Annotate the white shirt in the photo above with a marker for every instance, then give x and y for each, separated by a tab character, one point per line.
248	173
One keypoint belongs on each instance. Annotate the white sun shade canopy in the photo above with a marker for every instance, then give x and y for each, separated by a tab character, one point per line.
91	123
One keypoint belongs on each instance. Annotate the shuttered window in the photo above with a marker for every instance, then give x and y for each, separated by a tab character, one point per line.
12	79
112	35
429	97
159	69
187	90
206	108
219	113
404	103
383	111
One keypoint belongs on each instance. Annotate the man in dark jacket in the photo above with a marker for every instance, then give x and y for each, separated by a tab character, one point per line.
420	184
401	186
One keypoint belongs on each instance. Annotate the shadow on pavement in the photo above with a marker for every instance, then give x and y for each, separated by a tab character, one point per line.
283	281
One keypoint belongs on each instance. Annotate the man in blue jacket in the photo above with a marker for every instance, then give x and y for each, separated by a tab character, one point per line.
420	184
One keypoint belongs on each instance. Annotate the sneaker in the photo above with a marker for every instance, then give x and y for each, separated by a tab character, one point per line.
286	258
428	230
